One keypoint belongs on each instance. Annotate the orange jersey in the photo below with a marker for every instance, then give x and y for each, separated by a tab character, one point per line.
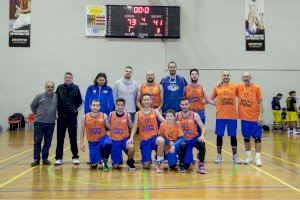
249	100
147	124
225	96
188	125
195	96
119	126
170	132
94	127
154	91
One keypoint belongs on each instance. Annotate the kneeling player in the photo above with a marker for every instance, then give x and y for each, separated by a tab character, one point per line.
173	135
120	122
146	121
94	124
189	121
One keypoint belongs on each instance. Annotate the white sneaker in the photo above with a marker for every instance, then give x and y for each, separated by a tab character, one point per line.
248	160
76	161
236	160
289	131
219	159
295	132
58	162
258	161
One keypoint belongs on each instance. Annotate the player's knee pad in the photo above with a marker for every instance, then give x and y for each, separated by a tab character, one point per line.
246	139
201	145
233	141
257	140
219	140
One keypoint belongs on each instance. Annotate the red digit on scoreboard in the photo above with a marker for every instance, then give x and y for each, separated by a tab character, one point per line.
158	30
158	22
131	21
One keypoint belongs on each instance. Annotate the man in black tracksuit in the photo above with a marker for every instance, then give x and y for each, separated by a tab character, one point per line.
69	101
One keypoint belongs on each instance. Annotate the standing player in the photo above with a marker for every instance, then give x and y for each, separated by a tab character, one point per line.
120	122
146	121
126	88
154	89
197	95
94	124
173	86
225	95
292	113
250	113
173	135
189	122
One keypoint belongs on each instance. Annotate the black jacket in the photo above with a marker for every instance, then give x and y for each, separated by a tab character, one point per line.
69	100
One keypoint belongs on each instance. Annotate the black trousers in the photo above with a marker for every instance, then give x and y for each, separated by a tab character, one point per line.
63	123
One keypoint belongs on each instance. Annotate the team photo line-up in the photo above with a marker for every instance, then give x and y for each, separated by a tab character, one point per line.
170	119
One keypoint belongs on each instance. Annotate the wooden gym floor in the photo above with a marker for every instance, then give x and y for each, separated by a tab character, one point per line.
278	178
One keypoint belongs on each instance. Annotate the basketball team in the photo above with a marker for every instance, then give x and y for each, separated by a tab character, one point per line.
170	120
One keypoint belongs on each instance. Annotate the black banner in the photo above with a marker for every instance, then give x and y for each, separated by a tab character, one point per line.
254	25
19	23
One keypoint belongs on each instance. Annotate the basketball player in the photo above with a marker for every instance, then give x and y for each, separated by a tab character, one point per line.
173	135
154	89
23	14
146	121
250	111
189	122
197	96
94	124
225	96
173	89
120	123
292	113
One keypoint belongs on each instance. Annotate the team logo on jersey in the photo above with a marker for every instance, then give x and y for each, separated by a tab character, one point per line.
94	91
173	87
105	91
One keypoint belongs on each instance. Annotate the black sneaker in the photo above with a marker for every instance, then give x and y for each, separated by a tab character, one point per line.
94	166
46	162
35	163
105	166
130	163
181	169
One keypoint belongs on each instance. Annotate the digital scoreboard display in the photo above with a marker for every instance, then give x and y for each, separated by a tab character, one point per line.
143	21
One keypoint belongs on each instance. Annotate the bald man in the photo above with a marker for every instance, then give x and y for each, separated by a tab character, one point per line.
154	89
44	106
250	111
225	94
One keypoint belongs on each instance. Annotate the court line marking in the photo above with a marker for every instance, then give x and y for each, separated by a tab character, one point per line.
276	157
25	172
154	189
263	171
15	155
13	163
146	188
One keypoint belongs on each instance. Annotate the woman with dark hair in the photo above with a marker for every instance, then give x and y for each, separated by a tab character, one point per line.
101	91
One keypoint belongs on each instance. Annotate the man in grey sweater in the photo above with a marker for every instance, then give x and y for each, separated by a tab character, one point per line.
44	106
127	89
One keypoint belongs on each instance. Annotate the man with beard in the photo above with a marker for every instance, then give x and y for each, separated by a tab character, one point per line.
126	88
250	112
154	89
225	94
197	96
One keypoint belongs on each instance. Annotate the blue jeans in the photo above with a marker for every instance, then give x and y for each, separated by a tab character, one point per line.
42	130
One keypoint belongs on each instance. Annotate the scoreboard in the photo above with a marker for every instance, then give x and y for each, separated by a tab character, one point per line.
130	21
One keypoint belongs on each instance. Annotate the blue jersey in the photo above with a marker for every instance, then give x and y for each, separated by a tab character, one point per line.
173	92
